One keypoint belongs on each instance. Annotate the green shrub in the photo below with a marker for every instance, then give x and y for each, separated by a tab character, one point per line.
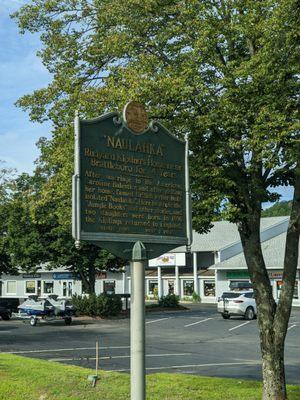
170	300
155	293
196	298
103	305
186	298
108	305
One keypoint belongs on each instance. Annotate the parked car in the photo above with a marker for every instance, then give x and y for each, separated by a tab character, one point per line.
240	303
7	306
5	313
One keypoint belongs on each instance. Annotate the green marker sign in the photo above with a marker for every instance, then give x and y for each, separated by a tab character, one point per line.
130	184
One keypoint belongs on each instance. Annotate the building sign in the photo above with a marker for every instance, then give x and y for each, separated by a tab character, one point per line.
130	184
166	260
237	275
101	275
26	276
275	274
64	275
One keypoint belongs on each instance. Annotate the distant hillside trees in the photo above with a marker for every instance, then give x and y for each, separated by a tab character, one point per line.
280	208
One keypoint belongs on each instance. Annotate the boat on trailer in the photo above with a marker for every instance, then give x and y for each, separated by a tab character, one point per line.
35	306
51	308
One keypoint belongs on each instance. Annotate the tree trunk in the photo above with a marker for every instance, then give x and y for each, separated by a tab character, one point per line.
92	279
274	386
272	344
88	280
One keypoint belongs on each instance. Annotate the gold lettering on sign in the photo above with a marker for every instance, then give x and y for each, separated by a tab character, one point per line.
139	147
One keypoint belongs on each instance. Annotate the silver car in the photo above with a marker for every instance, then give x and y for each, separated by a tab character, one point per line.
237	303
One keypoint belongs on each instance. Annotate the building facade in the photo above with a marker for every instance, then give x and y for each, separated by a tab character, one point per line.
215	264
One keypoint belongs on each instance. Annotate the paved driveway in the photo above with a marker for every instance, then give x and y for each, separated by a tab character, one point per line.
198	341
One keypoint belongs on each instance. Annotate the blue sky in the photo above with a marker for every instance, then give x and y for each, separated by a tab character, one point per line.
21	72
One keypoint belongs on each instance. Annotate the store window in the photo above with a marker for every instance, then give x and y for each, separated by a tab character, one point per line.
109	287
11	287
171	287
240	285
209	288
279	288
48	287
30	287
67	289
153	288
188	287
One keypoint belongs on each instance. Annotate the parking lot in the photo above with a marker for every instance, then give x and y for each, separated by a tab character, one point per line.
197	341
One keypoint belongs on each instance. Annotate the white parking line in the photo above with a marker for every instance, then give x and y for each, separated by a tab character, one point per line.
58	350
238	326
116	357
192	366
198	322
293	326
157	320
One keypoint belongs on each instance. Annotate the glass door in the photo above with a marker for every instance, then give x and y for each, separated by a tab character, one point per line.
67	288
171	286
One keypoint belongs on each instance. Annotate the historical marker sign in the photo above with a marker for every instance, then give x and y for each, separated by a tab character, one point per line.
130	184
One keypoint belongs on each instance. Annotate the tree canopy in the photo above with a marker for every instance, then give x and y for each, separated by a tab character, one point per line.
223	72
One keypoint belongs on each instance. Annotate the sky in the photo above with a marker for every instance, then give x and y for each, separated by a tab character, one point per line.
21	72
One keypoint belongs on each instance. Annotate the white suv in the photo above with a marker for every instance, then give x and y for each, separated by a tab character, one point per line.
237	303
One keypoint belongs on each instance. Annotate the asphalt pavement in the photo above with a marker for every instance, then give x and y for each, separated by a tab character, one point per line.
197	341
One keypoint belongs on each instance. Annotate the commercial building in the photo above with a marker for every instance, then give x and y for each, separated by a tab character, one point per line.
215	264
57	281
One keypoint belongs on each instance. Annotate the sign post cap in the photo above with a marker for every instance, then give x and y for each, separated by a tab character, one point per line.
139	251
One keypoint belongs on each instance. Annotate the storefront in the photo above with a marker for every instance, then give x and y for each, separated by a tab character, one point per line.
207	286
227	280
277	282
63	284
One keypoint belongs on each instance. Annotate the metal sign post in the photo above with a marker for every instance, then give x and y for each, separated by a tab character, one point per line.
131	190
137	322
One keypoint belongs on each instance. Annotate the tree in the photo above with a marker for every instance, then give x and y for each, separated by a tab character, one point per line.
34	235
278	209
226	72
27	240
6	177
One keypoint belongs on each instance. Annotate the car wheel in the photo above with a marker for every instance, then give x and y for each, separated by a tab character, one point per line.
226	316
68	320
249	314
33	321
5	317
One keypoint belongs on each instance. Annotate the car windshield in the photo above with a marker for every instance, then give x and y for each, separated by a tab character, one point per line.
230	295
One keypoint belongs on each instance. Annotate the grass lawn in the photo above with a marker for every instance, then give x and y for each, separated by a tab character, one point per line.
24	378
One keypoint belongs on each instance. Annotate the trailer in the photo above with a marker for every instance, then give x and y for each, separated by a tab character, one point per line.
51	308
34	319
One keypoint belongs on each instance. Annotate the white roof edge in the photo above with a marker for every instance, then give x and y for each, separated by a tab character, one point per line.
215	267
269	227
